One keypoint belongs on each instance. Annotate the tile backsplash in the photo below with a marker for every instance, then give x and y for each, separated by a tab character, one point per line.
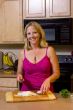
60	49
15	51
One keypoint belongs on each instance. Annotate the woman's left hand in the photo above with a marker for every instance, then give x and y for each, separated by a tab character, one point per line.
45	86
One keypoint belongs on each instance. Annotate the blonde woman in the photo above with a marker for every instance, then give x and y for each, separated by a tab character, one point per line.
38	65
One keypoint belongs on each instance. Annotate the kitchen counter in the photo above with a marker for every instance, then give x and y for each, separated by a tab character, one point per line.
5	75
58	104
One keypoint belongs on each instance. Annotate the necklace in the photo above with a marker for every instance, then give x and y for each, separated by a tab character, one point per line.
35	59
35	51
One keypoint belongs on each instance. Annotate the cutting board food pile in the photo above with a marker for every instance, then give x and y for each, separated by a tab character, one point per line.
20	96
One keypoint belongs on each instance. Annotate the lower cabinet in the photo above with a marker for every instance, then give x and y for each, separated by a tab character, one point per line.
8	82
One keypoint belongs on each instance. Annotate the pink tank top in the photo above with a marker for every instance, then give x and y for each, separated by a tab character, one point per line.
35	74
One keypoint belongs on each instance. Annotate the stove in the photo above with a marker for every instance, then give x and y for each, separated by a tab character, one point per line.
66	71
65	59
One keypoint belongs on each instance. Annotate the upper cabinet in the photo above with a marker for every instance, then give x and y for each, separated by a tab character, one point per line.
1	21
34	8
46	8
11	28
59	7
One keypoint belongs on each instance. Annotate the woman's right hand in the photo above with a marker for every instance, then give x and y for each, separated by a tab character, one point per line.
20	78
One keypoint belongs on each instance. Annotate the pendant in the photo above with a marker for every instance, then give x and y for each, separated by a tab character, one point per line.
35	59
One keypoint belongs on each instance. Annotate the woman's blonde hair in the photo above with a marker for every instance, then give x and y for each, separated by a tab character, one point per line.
42	41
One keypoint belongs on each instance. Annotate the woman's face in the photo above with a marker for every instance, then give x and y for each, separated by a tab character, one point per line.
32	35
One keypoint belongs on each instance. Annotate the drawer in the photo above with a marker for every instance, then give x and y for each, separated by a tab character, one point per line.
8	82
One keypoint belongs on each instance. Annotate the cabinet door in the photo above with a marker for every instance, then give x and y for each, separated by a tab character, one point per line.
59	7
13	21
2	27
33	8
8	83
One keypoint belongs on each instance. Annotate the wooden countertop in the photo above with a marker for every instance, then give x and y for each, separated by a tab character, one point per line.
3	74
58	104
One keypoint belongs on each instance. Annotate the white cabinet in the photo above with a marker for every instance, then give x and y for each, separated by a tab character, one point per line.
34	8
46	8
59	7
11	29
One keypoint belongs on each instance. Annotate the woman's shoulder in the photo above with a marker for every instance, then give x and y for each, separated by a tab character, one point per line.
50	48
51	51
21	53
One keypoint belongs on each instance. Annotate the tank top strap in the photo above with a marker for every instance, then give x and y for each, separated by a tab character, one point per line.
46	50
24	53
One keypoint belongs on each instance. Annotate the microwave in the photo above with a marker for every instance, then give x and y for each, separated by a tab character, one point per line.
57	31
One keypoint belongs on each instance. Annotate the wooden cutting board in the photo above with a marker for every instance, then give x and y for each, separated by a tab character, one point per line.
12	97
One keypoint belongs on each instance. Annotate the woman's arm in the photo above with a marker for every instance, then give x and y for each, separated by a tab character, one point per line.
55	70
20	66
55	64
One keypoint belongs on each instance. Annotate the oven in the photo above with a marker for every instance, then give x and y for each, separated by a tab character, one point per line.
66	71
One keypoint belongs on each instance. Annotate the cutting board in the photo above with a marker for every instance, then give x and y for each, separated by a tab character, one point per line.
12	97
